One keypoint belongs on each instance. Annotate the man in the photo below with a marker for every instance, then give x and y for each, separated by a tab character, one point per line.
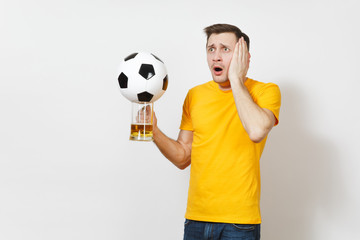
223	131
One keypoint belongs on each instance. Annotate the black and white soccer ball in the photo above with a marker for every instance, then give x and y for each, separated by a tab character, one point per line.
142	77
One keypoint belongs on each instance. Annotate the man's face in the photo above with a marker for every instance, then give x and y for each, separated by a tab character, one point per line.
220	49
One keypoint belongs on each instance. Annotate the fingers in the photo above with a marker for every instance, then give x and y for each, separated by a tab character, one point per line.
144	115
243	46
154	120
236	51
240	49
244	51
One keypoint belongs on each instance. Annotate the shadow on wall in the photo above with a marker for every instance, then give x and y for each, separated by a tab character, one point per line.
300	183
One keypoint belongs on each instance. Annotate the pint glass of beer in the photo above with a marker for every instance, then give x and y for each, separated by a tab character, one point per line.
142	121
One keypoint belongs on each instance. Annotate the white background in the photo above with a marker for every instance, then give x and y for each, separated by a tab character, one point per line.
67	168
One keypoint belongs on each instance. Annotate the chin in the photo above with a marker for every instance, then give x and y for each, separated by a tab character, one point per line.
225	84
219	79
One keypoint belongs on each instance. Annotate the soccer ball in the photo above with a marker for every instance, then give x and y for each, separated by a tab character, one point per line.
142	77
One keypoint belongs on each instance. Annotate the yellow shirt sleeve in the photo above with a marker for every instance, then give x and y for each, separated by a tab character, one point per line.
270	98
186	123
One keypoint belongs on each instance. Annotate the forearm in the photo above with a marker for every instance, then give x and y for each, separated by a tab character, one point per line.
173	150
256	121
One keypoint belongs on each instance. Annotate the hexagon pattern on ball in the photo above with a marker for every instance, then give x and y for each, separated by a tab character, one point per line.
165	83
130	56
145	97
141	75
123	79
147	71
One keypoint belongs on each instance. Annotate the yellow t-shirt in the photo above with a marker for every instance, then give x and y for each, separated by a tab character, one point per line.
225	167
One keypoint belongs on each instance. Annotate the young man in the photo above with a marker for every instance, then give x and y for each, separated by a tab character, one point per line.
223	132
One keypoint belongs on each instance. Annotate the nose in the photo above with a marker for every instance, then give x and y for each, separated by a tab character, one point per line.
217	56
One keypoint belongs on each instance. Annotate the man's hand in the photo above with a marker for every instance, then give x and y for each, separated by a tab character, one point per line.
144	115
155	127
239	63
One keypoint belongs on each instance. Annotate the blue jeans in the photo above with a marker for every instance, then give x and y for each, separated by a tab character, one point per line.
196	230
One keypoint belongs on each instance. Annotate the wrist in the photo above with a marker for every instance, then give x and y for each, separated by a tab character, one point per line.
156	130
237	81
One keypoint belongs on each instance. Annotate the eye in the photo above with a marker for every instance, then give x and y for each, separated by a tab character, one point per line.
211	49
226	49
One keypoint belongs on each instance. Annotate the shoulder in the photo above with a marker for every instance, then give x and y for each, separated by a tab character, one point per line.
257	87
202	88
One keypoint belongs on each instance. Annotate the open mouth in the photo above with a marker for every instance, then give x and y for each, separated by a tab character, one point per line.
217	70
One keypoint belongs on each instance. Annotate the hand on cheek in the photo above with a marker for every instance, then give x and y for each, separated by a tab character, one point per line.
239	63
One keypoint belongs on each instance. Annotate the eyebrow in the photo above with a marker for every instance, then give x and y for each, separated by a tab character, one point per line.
213	45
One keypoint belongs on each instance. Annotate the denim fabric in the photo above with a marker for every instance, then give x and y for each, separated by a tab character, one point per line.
196	230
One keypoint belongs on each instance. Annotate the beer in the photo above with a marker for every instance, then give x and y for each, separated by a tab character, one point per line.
141	132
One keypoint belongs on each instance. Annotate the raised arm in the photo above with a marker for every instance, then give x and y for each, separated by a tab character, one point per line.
177	151
256	121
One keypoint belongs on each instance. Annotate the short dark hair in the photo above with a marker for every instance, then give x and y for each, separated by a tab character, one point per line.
224	28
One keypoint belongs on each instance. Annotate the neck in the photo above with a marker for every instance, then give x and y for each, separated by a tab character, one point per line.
225	86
